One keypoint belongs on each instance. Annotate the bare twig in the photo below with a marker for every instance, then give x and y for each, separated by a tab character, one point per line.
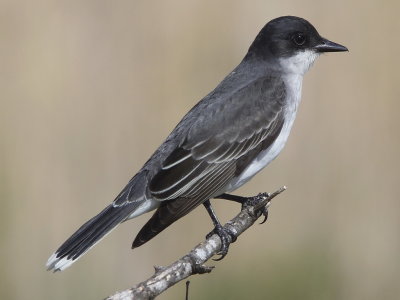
187	290
193	262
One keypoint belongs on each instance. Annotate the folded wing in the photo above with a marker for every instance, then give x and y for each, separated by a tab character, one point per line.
213	152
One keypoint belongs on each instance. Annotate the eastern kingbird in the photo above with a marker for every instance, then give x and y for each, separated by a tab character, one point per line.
221	143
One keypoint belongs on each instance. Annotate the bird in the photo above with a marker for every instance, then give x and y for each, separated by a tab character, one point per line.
219	145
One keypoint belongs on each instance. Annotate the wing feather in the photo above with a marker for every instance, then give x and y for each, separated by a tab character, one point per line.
170	211
214	142
214	149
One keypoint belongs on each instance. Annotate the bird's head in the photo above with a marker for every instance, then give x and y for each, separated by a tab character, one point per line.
293	42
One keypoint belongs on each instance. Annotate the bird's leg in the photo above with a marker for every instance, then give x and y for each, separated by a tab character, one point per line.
234	198
248	201
224	234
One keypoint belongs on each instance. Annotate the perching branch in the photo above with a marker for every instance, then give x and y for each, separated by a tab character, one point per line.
193	262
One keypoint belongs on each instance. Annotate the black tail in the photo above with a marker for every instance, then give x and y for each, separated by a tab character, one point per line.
87	236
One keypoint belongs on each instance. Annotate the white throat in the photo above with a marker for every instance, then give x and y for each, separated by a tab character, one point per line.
299	63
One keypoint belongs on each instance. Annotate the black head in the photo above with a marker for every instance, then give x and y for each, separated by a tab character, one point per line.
287	36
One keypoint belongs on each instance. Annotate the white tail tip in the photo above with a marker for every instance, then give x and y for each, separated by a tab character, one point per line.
58	264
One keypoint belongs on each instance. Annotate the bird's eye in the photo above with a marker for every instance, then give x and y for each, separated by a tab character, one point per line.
299	39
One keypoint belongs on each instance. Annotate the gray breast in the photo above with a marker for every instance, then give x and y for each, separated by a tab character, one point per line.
293	84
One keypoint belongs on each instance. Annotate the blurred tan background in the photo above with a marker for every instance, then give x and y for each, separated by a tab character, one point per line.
89	89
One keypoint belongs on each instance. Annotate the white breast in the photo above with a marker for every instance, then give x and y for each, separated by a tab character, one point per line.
293	84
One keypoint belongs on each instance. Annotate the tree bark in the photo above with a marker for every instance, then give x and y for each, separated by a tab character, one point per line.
193	262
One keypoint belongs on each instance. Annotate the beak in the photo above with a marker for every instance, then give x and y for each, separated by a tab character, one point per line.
328	46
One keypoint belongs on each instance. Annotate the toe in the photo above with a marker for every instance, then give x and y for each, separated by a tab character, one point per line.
265	214
227	237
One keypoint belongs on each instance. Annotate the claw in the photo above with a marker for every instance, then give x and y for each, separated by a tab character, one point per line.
251	201
221	257
265	214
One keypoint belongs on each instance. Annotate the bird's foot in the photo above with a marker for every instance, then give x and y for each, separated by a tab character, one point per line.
253	201
250	202
227	237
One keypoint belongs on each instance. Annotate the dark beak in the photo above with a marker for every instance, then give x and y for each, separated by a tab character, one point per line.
328	46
